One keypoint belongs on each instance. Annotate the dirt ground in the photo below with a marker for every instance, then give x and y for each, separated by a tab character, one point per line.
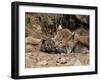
34	60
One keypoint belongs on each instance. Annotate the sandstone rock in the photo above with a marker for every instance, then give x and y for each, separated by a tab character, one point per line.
62	61
77	63
29	48
67	58
31	40
35	33
44	62
71	62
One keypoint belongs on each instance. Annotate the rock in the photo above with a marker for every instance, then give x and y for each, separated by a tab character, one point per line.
44	62
52	63
67	58
84	19
84	58
31	40
29	48
29	31
62	61
71	62
29	54
77	63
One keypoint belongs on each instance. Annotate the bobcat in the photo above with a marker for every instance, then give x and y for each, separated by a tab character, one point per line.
70	40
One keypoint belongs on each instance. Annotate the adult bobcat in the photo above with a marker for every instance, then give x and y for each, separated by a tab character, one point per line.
71	40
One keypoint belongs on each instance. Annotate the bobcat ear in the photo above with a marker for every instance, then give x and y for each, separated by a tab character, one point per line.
59	27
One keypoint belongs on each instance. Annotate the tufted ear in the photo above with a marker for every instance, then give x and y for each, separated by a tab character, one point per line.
59	27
